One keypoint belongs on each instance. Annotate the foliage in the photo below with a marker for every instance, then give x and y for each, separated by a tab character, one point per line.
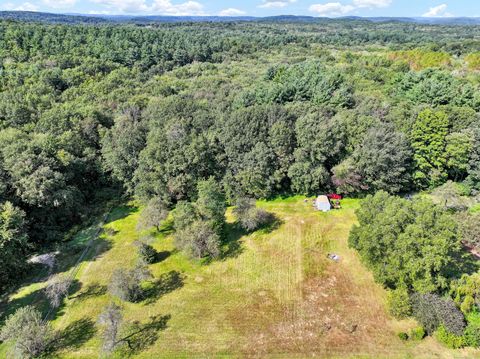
403	336
199	240
434	312
428	142
398	301
56	289
466	292
30	334
13	243
451	340
380	162
406	243
154	213
126	284
210	204
146	253
468	224
472	331
420	59
122	144
249	216
417	333
111	319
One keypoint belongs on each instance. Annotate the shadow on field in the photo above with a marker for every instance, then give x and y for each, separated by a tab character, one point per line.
232	246
75	335
166	283
143	335
92	290
35	298
120	213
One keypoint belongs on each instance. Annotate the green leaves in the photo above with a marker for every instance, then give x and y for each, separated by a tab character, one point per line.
407	243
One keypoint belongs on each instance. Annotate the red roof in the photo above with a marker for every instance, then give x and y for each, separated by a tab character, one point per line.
334	196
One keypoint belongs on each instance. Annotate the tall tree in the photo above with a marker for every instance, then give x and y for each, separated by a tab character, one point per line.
428	138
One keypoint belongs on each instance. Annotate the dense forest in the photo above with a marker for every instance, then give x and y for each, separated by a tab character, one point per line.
89	112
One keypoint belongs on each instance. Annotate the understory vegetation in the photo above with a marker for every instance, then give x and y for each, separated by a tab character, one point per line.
191	119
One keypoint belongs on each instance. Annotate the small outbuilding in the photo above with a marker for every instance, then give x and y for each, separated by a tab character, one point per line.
322	203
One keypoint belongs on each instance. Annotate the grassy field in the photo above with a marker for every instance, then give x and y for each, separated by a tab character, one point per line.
274	293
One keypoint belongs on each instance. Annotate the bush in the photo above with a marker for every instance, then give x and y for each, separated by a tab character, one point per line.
398	302
29	333
472	331
57	289
126	284
199	240
417	333
449	339
111	320
403	336
155	212
146	253
433	311
249	216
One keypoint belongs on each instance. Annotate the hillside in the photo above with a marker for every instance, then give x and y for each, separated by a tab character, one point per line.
149	19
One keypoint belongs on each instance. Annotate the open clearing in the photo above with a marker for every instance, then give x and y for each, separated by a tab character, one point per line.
274	293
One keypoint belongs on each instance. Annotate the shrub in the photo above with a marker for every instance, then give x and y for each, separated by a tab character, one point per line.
146	253
249	216
398	301
417	333
403	336
153	214
111	319
433	311
29	333
472	331
199	240
126	284
184	215
57	289
449	339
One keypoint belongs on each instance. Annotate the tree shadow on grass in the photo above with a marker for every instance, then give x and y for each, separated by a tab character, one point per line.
232	246
166	283
35	298
92	290
120	213
140	336
161	256
272	223
74	335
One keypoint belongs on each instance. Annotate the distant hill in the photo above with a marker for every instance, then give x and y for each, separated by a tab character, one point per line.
48	17
82	18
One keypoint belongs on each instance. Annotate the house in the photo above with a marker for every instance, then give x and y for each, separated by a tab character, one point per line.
322	203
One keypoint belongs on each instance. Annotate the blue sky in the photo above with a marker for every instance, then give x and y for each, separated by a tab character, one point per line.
331	8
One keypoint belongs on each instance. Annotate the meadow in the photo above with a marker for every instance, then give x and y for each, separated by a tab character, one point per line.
273	293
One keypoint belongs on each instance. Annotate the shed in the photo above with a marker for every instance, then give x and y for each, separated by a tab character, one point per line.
322	203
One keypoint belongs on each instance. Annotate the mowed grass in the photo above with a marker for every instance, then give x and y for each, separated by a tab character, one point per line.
274	293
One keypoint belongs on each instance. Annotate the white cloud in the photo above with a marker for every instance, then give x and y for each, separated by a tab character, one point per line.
338	9
331	9
437	11
26	6
59	4
163	7
231	12
276	4
124	6
371	3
